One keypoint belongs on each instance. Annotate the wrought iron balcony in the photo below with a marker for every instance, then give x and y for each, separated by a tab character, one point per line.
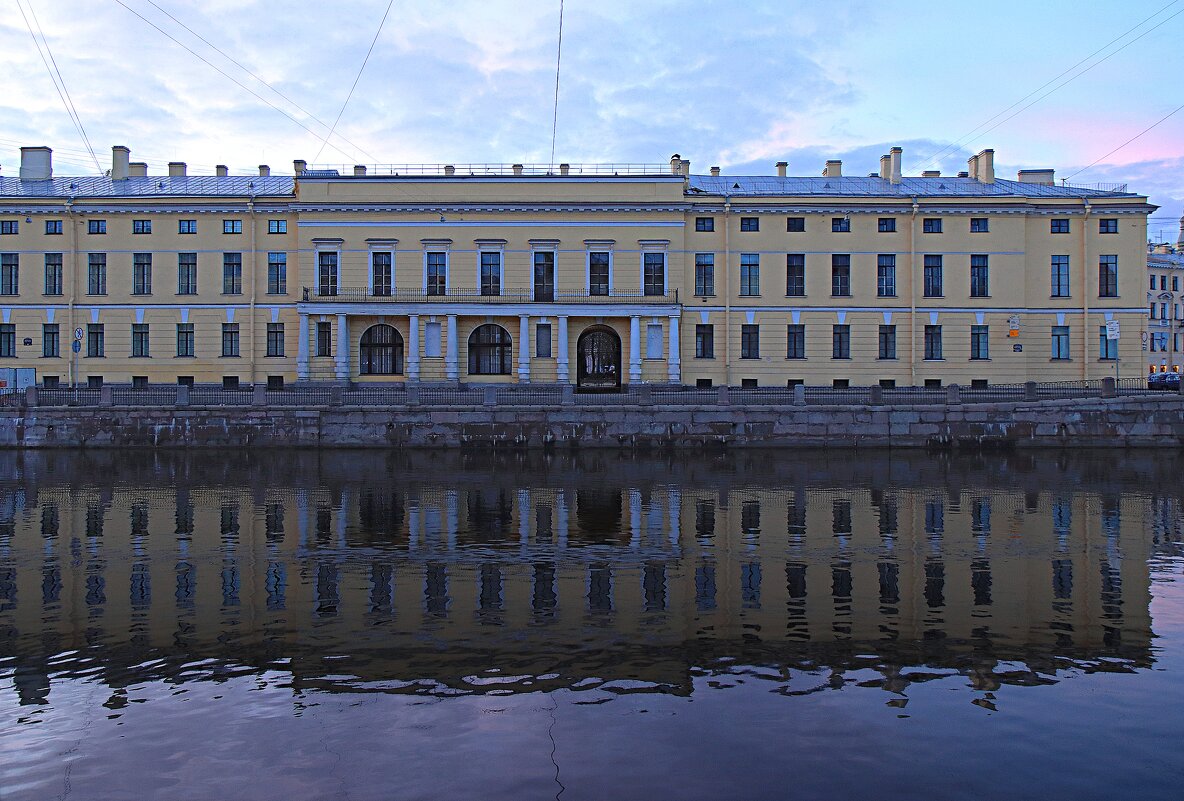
348	294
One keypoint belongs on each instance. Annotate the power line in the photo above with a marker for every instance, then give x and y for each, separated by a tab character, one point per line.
1127	142
558	60
357	78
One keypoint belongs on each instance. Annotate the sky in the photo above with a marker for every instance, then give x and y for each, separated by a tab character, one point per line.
739	85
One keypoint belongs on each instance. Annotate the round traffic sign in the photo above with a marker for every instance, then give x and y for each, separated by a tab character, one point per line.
78	334
76	346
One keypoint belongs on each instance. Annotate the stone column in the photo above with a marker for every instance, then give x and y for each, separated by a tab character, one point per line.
561	360
342	348
635	348
674	357
302	350
413	348
451	371
524	348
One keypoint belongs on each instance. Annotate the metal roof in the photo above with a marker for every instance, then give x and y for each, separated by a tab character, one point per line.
1166	259
879	187
153	186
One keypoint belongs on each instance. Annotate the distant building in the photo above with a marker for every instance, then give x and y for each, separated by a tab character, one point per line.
1165	303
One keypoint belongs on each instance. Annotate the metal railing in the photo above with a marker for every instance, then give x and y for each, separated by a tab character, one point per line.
492	168
351	294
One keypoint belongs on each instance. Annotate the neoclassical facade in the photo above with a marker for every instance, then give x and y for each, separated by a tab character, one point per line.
597	276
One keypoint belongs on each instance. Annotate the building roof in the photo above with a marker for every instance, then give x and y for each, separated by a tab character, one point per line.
152	186
852	186
1166	260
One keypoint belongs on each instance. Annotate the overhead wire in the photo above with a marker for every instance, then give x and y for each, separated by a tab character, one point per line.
1127	142
558	61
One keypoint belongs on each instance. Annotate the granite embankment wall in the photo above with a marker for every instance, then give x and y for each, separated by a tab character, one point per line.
1131	422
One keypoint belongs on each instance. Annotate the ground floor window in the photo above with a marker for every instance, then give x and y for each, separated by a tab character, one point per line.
381	351
490	350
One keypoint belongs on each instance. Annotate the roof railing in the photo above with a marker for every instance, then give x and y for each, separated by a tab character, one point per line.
466	170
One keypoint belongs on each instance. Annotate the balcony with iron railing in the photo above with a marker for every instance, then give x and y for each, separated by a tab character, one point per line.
347	294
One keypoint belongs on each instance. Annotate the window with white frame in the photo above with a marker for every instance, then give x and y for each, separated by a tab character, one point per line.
436	272
653	272
599	272
491	272
381	273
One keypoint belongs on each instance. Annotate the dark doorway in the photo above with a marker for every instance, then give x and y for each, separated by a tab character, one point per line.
598	360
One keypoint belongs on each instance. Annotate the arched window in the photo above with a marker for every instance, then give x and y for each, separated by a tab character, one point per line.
381	352
490	351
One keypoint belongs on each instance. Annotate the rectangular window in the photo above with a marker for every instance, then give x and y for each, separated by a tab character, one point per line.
840	225
544	275
232	226
275	339
9	227
96	226
980	286
933	342
232	273
382	273
185	345
94	340
704	223
598	273
750	224
886	275
1152	286
277	273
1060	276
1108	277
140	340
795	225
1152	311
53	227
186	226
840	275
750	341
1107	348
1108	225
1163	282
50	341
7	340
324	339
142	274
542	340
277	226
704	274
704	341
654	273
1060	342
750	274
795	275
491	272
931	225
431	340
186	273
653	341
229	339
1175	283
1058	226
96	274
840	342
886	225
887	342
10	279
141	226
437	267
327	274
979	225
795	341
53	273
979	348
933	277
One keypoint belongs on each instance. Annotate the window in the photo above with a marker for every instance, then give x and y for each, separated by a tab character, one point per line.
1152	311
704	274
1152	285
1058	226
1060	342
185	339
96	226
886	276
1108	225
750	274
544	275
931	225
795	275
1163	282
232	226
142	274
1175	283
277	273
840	225
53	273
886	225
141	226
277	226
598	272
50	341
542	340
232	273
186	273
653	341
750	224
933	342
140	340
327	274
229	339
933	282
431	340
979	349
96	274
382	276
1107	348
491	272
840	275
324	339
750	341
186	226
795	225
704	223
1060	276
53	227
654	273
490	350
887	342
275	339
795	342
705	341
94	340
437	275
979	225
980	286
9	227
9	274
840	342
7	340
1108	277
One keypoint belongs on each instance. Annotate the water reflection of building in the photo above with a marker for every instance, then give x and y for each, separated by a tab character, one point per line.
602	575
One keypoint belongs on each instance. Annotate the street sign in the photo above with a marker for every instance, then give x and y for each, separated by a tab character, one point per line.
1112	329
1013	325
1018	348
78	334
76	346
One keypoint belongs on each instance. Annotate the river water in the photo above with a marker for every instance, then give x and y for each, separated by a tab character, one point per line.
363	625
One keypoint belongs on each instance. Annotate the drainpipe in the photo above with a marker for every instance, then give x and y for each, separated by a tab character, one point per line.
727	291
254	281
73	273
1085	292
913	293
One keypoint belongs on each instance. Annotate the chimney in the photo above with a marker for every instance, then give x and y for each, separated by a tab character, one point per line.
264	170
684	167
119	162
565	169
449	169
221	170
1180	241
885	167
137	169
359	169
781	165
36	163
894	165
833	169
931	174
982	166
299	166
517	169
715	172
177	169
1043	177
675	164
963	175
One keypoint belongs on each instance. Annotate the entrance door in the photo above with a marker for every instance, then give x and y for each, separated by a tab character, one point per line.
598	357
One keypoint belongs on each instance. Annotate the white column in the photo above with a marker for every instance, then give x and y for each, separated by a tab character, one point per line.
674	357
561	361
342	348
524	348
413	348
634	348
451	372
302	350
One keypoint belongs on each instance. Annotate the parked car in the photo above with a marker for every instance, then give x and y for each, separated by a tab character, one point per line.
1164	381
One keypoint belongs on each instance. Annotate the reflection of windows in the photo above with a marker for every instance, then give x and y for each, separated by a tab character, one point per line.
980	582
935	584
653	585
705	587
889	582
1062	579
600	588
750	585
705	521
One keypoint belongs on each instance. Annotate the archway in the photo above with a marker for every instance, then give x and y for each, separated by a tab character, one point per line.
598	359
381	351
490	350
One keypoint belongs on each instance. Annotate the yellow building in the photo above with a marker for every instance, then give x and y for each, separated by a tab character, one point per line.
591	275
